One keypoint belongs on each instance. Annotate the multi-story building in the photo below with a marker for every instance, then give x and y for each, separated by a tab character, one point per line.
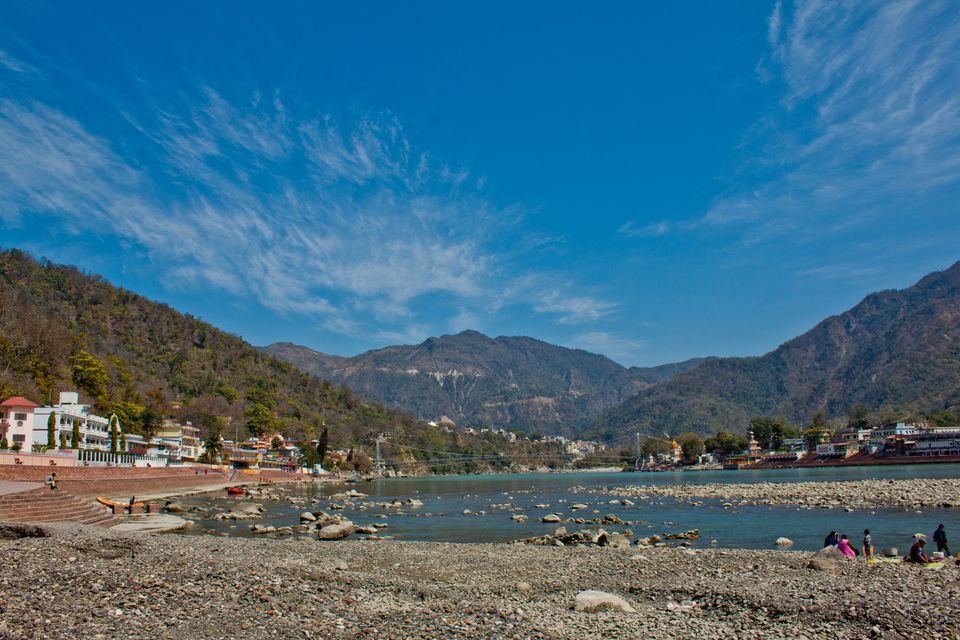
17	417
94	429
177	442
879	435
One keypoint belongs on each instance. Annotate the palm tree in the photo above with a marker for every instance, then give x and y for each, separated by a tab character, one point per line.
213	446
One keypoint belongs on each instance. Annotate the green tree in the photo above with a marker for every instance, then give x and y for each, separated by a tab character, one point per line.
654	446
692	446
75	436
90	375
130	414
123	442
63	440
114	428
308	456
323	444
814	436
150	421
213	446
818	431
4	445
725	444
770	432
52	430
858	417
260	419
277	443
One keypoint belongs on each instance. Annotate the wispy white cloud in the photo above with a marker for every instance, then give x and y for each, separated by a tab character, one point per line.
343	222
12	64
573	309
655	229
609	344
869	124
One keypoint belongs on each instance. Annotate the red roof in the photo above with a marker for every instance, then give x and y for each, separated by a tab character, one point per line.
18	401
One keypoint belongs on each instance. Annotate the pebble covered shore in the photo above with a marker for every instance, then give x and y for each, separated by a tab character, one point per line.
851	494
88	583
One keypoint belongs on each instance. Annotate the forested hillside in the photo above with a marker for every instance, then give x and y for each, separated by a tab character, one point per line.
63	329
894	350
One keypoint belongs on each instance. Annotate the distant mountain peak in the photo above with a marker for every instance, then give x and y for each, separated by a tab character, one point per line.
505	381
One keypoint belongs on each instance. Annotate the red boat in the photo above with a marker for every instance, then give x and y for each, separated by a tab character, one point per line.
235	491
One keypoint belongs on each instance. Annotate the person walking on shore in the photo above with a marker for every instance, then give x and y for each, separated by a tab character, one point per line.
52	481
940	537
867	544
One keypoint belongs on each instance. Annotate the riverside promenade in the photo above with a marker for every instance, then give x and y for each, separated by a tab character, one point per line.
148	483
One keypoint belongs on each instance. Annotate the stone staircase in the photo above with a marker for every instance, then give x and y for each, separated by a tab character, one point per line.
43	505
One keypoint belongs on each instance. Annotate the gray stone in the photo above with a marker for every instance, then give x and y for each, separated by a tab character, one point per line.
826	565
337	531
613	540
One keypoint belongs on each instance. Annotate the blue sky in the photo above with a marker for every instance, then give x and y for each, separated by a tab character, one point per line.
648	182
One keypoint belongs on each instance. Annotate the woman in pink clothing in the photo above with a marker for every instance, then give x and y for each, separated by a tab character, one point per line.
845	548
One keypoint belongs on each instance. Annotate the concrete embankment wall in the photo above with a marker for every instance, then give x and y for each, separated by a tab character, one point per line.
133	480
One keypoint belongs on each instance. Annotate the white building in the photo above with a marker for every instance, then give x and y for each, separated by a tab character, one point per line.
17	417
176	442
94	430
879	435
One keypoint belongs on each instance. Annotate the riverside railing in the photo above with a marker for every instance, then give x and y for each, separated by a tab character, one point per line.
97	458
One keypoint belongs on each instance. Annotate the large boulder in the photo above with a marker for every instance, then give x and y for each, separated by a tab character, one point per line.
337	531
593	601
174	507
613	540
550	517
823	564
830	552
784	542
306	516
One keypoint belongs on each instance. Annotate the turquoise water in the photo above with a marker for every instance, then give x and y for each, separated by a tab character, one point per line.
446	497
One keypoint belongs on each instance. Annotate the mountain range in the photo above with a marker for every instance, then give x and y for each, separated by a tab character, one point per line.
895	349
898	350
476	380
61	328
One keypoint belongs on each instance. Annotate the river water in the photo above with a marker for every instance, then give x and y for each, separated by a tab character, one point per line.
445	498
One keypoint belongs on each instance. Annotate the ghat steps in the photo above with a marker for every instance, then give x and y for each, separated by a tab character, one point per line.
44	505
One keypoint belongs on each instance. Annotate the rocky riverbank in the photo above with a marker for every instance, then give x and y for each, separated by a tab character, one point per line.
91	583
849	494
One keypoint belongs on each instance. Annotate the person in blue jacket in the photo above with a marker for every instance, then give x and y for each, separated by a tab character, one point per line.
940	537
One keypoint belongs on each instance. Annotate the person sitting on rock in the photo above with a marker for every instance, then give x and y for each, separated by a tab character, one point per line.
843	546
831	540
916	551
